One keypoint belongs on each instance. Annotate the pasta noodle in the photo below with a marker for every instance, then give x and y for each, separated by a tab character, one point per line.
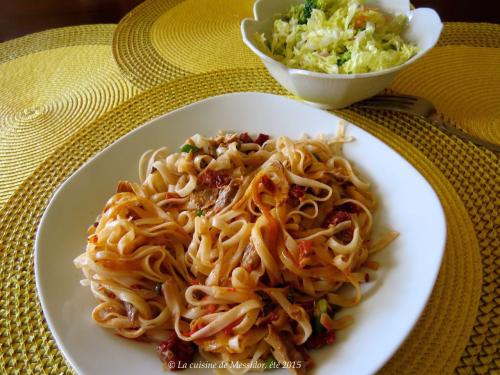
235	246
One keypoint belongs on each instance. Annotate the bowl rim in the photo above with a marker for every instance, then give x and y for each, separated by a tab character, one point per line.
303	72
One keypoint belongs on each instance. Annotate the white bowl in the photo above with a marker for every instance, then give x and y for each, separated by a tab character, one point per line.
331	91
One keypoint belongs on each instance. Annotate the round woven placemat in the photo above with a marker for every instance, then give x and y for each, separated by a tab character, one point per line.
165	39
463	176
199	29
133	50
101	34
52	84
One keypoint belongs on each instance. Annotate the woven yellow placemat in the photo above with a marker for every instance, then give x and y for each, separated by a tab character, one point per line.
165	39
196	29
52	84
465	178
470	34
463	82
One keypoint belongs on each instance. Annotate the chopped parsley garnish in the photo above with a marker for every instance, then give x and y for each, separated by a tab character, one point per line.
200	213
189	148
320	307
317	326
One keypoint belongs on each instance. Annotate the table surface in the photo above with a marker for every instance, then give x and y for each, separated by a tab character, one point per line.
21	17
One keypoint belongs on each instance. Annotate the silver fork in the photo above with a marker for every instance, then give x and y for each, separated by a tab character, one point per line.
418	106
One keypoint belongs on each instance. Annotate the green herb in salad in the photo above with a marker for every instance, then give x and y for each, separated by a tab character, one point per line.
309	5
338	36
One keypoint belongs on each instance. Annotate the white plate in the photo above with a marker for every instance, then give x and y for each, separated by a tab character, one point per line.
391	304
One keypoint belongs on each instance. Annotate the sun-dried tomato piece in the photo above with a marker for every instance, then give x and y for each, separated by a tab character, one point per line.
305	252
176	353
261	139
297	191
337	217
214	179
268	183
305	248
318	340
245	138
274	316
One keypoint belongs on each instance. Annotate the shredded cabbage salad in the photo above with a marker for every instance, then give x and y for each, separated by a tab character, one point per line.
338	36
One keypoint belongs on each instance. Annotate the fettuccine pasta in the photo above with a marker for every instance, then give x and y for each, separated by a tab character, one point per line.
236	247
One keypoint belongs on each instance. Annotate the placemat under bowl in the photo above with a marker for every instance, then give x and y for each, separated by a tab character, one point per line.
52	84
463	176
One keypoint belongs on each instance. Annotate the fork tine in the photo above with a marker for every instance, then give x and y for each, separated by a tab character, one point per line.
423	108
411	98
385	104
393	98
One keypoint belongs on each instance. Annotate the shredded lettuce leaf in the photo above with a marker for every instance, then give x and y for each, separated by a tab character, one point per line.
338	36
